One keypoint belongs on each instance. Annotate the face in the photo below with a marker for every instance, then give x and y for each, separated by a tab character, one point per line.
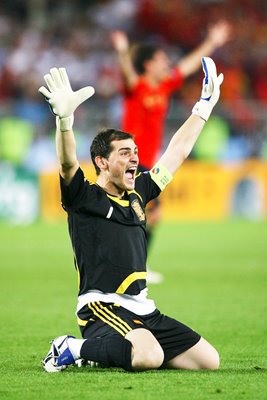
122	165
159	65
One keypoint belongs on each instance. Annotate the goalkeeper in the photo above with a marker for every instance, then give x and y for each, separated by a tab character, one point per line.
120	325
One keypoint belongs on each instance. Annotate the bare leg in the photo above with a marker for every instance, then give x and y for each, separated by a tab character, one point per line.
146	351
201	356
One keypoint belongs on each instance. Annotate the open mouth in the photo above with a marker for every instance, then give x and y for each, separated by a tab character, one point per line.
130	173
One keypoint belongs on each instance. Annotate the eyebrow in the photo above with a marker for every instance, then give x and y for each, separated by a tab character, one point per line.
127	148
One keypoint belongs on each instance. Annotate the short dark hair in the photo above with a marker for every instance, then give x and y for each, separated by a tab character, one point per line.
141	54
101	144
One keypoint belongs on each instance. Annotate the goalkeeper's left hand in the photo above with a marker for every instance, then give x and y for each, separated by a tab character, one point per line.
62	99
210	90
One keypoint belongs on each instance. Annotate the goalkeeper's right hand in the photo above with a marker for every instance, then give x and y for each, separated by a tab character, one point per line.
62	99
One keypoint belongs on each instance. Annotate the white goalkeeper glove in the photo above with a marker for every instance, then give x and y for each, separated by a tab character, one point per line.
210	89
62	99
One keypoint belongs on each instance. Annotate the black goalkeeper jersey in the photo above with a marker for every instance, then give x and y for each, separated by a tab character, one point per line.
108	234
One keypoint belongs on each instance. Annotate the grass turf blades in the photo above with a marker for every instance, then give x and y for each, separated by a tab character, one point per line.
215	281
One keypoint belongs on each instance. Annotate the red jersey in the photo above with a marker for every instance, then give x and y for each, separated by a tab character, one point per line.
144	112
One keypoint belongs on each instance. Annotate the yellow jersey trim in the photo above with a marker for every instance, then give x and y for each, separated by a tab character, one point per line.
124	203
77	269
129	280
81	322
160	175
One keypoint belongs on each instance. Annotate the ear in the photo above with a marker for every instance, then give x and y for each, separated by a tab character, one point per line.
102	163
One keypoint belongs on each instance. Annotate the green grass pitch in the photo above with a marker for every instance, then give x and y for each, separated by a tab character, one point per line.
215	281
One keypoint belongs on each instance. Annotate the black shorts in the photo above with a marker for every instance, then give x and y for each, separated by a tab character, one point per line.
103	319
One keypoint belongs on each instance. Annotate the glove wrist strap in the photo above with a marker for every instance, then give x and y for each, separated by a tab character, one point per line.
203	109
65	124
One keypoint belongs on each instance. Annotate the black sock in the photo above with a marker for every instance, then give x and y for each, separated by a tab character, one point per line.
112	351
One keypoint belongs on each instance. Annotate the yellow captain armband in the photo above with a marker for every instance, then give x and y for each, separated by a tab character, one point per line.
160	175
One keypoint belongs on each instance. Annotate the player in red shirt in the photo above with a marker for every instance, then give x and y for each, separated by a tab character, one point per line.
145	108
149	81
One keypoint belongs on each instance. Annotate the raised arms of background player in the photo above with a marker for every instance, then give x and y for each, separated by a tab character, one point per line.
64	102
218	34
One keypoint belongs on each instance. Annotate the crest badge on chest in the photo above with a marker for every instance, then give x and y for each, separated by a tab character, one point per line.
138	210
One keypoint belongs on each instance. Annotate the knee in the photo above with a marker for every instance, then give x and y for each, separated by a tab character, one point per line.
206	356
212	362
215	363
147	358
146	350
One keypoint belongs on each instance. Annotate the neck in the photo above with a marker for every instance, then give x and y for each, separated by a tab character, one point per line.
109	187
152	81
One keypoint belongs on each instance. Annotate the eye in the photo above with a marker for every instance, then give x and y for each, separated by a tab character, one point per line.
125	153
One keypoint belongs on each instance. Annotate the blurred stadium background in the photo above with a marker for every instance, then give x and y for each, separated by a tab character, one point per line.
226	174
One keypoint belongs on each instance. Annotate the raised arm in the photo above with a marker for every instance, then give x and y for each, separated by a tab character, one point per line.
63	102
218	35
121	45
184	139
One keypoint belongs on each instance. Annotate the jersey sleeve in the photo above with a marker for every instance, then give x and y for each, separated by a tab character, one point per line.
72	193
146	187
149	184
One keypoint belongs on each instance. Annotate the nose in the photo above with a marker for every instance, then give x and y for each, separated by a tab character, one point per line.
134	156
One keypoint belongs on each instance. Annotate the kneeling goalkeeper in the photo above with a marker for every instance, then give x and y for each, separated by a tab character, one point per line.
120	325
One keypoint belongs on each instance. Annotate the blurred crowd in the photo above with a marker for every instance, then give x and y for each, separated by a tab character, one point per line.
36	35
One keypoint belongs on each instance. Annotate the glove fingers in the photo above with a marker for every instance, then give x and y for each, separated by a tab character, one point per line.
63	101
50	83
64	77
209	69
210	89
84	93
210	80
54	72
205	69
45	92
